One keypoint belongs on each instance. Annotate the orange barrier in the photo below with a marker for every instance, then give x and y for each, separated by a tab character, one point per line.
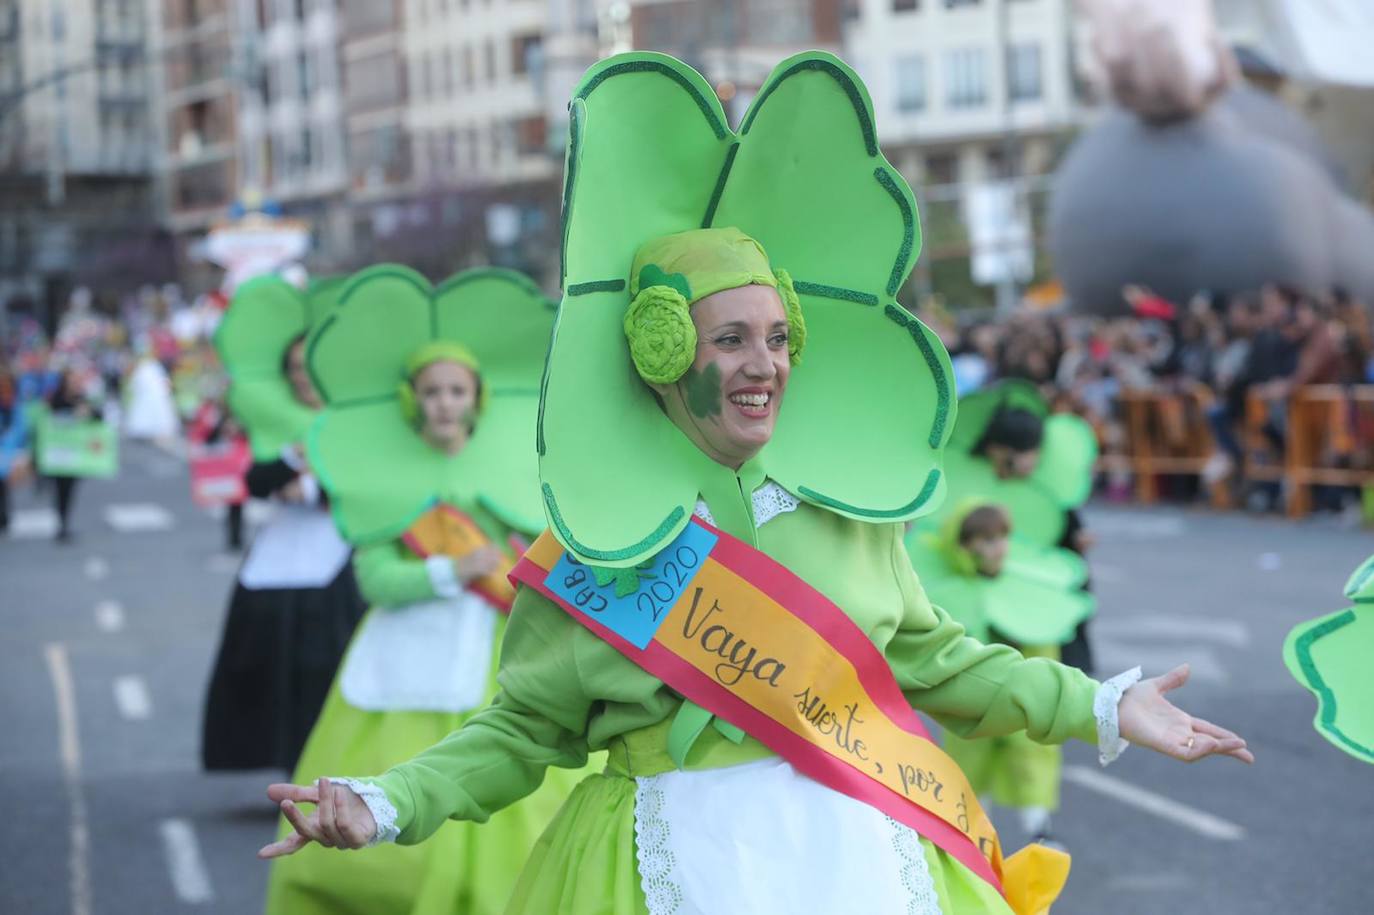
1326	425
1166	433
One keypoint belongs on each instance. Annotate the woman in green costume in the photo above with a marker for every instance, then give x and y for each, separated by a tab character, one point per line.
296	602
1029	597
673	353
428	393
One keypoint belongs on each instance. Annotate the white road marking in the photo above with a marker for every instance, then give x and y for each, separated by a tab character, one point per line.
69	752
190	879
109	616
96	568
139	517
131	696
1112	654
33	524
1233	633
1198	821
1136	526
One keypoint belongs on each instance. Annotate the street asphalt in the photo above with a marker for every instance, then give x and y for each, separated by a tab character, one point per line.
108	642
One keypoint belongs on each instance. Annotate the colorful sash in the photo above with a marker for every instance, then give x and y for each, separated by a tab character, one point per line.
743	637
447	531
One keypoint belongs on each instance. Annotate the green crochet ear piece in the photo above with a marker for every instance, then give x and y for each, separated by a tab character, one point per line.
662	337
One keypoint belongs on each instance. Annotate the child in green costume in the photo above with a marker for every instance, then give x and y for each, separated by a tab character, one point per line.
1018	595
674	351
1009	449
424	389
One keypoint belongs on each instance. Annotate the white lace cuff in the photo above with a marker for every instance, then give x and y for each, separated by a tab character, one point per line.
443	577
382	809
293	459
1109	742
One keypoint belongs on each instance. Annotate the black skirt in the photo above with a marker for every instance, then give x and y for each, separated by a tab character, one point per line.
277	658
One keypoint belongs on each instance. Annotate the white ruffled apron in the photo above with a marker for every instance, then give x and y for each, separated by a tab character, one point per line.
429	656
763	839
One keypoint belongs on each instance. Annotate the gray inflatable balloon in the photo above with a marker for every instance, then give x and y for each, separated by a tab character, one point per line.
1204	203
1353	248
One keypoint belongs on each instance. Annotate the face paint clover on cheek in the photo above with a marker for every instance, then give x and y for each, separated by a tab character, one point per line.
703	391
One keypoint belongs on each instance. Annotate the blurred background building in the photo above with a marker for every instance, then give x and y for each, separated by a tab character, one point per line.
432	131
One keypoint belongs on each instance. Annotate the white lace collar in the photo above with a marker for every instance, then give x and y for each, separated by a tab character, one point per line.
770	500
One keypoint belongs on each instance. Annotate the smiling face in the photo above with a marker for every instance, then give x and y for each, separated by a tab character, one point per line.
1010	464
728	401
446	393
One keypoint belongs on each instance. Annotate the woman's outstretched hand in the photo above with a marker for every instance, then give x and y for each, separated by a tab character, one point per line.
340	818
1147	719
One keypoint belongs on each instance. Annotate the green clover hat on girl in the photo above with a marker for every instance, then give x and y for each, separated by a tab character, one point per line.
366	447
266	315
1036	600
665	204
1331	656
1062	478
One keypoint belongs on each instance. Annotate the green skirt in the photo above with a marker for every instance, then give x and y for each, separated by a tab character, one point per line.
463	869
585	863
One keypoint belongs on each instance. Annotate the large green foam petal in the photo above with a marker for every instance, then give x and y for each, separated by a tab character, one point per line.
265	315
379	472
359	352
1330	656
867	411
1068	454
647	143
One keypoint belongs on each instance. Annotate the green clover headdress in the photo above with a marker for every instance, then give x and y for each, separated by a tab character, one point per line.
265	315
1062	479
650	154
1331	657
379	473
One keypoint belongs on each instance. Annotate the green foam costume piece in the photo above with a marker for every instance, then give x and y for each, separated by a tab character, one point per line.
1331	657
1037	600
869	408
379	473
265	315
1062	479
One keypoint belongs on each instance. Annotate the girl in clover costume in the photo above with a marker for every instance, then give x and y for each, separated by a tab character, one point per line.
1009	449
662	423
1330	657
1012	592
425	447
295	601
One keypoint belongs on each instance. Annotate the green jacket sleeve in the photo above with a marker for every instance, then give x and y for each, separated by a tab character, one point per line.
389	575
538	719
978	690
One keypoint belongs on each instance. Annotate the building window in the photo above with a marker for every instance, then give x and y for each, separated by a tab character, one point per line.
525	53
941	168
531	135
905	6
489	61
955	4
466	54
1023	72
911	83
427	88
965	78
450	71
